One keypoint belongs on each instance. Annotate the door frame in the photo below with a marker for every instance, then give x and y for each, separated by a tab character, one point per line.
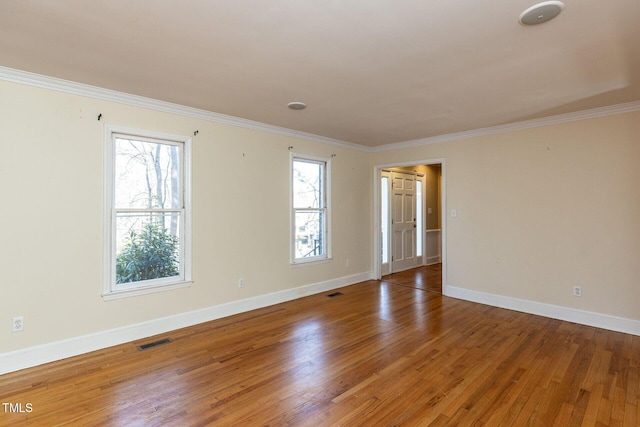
377	200
385	173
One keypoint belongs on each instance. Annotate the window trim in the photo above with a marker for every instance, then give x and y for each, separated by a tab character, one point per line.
327	209
110	290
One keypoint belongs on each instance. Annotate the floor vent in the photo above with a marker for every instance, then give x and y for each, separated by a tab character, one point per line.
154	344
335	294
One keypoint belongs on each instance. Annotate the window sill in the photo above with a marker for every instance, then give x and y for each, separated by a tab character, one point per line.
299	264
115	295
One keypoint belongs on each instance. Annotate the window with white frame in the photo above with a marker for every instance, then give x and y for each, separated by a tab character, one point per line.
147	227
310	209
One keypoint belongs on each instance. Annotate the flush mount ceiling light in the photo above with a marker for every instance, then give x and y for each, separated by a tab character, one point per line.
296	105
541	13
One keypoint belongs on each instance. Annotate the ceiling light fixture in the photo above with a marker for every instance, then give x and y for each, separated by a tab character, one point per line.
541	13
296	105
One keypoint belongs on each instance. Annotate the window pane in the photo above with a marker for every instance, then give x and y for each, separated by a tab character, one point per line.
147	246
147	175
309	237
307	184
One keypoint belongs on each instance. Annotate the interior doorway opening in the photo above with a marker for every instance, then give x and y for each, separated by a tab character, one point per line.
410	221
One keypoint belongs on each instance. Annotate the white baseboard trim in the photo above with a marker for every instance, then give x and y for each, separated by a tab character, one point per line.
41	354
433	260
589	318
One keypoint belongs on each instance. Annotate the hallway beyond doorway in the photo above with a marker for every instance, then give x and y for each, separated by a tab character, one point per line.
426	277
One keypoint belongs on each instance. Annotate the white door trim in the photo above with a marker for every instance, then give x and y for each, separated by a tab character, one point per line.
377	176
385	267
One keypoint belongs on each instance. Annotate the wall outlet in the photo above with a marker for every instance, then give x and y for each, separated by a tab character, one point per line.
241	283
17	324
577	291
348	262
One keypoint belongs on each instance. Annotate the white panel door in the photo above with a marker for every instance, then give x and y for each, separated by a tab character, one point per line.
403	221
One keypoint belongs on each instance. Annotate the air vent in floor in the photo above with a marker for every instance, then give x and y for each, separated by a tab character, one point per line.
154	344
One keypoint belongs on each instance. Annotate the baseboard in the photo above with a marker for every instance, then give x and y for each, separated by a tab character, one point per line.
589	318
41	354
433	260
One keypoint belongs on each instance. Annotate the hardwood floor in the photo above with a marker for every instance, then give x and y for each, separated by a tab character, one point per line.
427	278
390	352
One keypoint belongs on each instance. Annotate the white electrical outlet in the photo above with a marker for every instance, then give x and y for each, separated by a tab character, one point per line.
348	262
577	291
241	283
17	324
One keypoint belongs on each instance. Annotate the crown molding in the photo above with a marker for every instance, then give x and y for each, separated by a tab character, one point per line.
511	127
60	85
46	82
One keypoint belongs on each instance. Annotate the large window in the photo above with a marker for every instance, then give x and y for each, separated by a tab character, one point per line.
147	224
310	209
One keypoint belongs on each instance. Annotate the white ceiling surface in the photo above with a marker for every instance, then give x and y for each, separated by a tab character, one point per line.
372	72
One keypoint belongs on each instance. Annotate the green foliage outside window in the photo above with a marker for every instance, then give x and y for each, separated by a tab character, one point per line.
150	253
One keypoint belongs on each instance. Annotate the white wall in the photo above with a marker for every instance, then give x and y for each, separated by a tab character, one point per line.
51	184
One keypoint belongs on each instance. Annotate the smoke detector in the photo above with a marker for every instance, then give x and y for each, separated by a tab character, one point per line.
541	13
296	105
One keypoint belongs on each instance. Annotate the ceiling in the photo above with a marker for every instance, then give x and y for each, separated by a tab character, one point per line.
372	72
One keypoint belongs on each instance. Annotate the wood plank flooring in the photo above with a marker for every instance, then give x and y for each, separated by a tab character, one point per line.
392	352
427	278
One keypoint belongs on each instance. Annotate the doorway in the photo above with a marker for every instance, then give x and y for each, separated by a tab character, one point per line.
410	221
402	220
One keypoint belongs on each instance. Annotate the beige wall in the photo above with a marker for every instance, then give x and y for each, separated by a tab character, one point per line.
432	196
539	211
544	209
51	154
